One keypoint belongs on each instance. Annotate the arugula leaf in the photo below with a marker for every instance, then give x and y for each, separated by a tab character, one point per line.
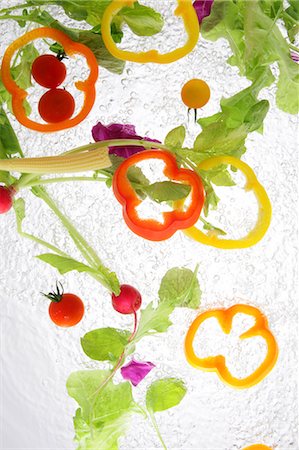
106	405
65	265
105	344
154	320
165	394
175	138
142	20
208	226
164	191
180	288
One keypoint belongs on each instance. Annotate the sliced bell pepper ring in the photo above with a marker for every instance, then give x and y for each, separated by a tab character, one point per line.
174	220
218	363
264	215
185	10
19	95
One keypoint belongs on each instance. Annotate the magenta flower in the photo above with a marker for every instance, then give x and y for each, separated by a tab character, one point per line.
295	56
101	132
203	8
135	371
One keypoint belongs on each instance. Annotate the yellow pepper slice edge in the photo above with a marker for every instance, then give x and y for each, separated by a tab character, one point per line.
264	215
257	447
185	10
218	363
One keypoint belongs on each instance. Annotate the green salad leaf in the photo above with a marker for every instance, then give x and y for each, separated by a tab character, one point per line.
257	42
142	20
176	137
154	320
109	404
164	394
105	344
180	288
104	437
165	191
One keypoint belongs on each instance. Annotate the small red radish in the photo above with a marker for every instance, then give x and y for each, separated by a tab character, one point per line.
128	301
6	198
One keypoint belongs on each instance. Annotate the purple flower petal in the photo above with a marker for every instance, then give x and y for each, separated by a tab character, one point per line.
101	132
135	371
295	56
203	8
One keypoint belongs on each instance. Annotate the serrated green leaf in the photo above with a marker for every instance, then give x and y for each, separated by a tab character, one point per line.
105	344
65	265
165	394
180	288
175	138
154	320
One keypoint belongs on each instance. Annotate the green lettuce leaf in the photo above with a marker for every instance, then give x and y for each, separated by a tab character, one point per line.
164	191
180	288
164	394
142	20
107	404
256	43
175	138
105	344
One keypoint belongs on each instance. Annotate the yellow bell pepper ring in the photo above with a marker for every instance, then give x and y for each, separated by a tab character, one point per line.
218	363
185	10
257	447
264	215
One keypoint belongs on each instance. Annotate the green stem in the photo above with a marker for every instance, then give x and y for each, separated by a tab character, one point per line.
82	245
62	180
13	8
41	242
117	365
151	415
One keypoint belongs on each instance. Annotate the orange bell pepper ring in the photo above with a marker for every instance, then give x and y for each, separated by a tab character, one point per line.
151	229
257	447
19	95
218	363
185	10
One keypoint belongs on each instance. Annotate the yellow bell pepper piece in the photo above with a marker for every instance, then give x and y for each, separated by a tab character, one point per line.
218	363
264	216
185	10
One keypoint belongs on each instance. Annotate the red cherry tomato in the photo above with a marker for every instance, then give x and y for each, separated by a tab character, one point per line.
128	301
68	311
48	71
6	198
56	106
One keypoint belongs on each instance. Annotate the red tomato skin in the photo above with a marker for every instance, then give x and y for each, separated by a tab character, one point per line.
48	71
128	301
56	105
68	312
